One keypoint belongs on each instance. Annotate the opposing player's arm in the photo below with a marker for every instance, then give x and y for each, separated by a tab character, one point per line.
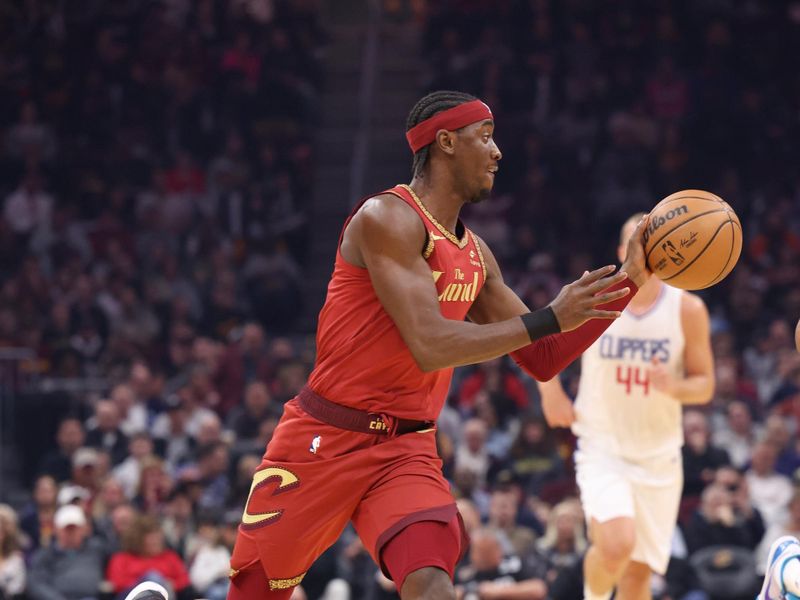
697	385
545	358
556	404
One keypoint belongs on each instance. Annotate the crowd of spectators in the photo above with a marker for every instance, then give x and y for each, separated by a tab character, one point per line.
154	160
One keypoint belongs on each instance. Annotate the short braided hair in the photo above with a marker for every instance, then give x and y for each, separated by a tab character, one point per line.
425	108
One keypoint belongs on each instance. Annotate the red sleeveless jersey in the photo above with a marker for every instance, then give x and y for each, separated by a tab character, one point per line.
362	361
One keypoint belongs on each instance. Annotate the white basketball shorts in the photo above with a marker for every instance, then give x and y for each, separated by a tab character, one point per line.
647	491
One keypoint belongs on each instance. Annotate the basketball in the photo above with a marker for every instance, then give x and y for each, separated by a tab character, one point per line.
693	239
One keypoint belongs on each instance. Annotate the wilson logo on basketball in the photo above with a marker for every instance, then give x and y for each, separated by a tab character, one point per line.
658	221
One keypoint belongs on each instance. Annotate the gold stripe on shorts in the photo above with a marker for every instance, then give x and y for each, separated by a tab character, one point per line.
283	584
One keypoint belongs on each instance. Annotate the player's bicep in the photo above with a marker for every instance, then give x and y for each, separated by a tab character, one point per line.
496	301
390	240
698	355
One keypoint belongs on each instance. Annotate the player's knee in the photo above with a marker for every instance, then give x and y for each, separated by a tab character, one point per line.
423	556
616	546
428	583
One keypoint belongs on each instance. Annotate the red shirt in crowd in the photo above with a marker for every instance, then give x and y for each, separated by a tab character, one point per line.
126	570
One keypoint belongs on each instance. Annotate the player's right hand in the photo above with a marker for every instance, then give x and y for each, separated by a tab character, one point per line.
557	407
577	302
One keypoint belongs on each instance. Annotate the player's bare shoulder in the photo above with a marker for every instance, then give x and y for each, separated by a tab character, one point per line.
382	222
694	315
692	304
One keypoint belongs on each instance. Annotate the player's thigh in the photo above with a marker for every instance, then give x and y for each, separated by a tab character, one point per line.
604	486
301	498
615	538
293	514
411	490
656	502
607	499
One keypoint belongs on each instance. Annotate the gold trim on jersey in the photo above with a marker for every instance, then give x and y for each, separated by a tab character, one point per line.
480	254
426	254
461	243
285	584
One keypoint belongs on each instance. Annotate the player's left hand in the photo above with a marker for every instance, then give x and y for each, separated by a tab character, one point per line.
660	377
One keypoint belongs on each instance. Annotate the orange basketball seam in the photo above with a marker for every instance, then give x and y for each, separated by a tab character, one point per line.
722	273
655	244
671	200
699	254
714	197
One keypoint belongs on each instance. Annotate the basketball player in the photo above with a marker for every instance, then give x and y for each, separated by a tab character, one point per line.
627	416
357	443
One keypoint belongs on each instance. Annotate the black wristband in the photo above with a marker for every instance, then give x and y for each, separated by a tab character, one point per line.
541	323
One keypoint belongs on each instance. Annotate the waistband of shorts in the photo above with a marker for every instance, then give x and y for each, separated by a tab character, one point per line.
351	419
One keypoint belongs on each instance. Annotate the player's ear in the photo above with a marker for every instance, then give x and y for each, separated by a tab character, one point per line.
446	140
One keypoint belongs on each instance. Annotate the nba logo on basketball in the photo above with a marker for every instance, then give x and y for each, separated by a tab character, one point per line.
671	251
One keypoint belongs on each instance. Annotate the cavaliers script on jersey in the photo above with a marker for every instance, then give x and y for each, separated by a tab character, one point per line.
362	361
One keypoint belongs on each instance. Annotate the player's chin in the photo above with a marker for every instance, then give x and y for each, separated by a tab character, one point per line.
483	193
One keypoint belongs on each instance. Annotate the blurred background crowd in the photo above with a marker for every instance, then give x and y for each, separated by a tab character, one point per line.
155	165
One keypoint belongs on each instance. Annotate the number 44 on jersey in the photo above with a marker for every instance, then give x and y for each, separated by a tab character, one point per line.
633	376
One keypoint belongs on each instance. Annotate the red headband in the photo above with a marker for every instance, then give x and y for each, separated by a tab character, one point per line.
451	119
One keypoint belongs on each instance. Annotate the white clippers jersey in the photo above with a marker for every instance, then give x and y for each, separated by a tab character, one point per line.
617	410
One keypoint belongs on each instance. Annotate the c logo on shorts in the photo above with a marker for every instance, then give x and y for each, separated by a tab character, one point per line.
286	481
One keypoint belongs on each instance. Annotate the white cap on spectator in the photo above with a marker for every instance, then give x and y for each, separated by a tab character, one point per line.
69	515
70	493
84	457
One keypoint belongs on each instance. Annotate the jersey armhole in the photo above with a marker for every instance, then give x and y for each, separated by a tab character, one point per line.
428	247
480	254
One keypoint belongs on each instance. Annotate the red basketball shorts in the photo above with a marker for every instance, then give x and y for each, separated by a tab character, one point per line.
315	478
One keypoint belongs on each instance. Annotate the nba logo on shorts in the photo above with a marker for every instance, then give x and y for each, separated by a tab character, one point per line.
315	444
